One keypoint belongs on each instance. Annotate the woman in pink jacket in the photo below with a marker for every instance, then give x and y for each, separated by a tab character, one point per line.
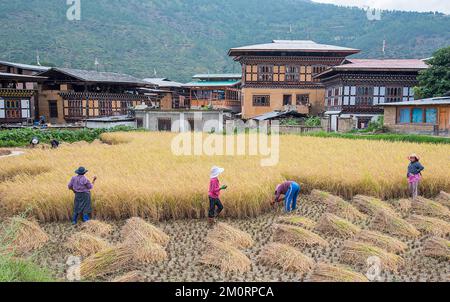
215	205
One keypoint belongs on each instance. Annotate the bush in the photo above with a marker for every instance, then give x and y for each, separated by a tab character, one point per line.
313	121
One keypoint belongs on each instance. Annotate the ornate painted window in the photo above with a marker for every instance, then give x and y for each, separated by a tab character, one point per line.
261	100
265	73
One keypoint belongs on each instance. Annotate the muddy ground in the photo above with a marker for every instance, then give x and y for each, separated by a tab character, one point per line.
188	243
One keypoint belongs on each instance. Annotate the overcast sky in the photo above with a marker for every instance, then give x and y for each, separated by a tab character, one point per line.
406	5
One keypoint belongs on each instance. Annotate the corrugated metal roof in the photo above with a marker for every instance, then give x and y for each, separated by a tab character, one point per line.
25	66
275	114
294	45
162	82
96	76
424	102
384	64
20	76
212	84
218	76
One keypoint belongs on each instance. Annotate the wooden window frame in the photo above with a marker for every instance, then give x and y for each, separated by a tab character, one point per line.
260	104
292	73
424	115
300	99
265	73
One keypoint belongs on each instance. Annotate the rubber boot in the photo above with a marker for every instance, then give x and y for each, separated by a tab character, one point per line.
211	222
86	218
75	219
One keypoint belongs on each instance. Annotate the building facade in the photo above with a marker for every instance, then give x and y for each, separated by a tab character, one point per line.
281	75
216	91
354	89
176	96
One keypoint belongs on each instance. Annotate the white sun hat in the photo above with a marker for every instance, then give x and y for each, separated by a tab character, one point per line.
216	171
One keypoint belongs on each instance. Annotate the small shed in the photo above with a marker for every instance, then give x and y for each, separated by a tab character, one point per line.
111	122
428	116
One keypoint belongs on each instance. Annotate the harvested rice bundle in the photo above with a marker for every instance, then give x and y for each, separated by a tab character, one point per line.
97	228
146	251
391	223
437	248
287	258
225	233
423	206
430	225
344	209
403	205
357	253
444	199
297	236
22	236
298	221
84	245
106	262
333	225
383	241
321	196
134	276
335	273
371	205
137	229
225	257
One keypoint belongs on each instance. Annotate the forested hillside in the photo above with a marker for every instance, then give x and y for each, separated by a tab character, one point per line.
178	38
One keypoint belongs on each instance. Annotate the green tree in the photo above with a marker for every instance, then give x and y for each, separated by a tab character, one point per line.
435	81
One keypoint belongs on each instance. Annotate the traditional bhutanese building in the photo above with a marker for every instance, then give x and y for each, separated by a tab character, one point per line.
72	95
356	87
280	75
176	95
19	92
219	91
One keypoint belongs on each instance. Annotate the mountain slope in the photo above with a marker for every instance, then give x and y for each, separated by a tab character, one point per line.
179	38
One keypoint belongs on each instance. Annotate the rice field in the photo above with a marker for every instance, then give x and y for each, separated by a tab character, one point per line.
139	176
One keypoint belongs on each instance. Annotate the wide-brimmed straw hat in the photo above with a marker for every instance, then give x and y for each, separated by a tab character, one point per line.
216	171
414	155
81	171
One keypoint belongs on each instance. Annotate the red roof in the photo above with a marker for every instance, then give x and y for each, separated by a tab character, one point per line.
383	64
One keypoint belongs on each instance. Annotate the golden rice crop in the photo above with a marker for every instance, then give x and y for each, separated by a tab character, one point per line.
437	248
423	206
137	230
371	205
338	206
297	236
106	262
300	221
97	228
223	232
382	241
333	225
287	258
390	223
22	236
134	276
444	198
335	273
143	178
146	251
357	253
84	244
225	257
402	205
430	225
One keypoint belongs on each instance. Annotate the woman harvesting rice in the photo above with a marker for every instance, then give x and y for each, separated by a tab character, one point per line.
82	187
415	169
290	190
214	194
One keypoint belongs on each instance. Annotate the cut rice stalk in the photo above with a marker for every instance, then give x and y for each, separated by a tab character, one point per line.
358	253
84	245
333	225
321	196
297	236
426	207
444	199
390	223
225	257
437	248
22	236
430	225
131	277
344	209
287	258
298	221
403	205
108	261
137	229
382	241
371	205
146	251
225	233
335	273
97	228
